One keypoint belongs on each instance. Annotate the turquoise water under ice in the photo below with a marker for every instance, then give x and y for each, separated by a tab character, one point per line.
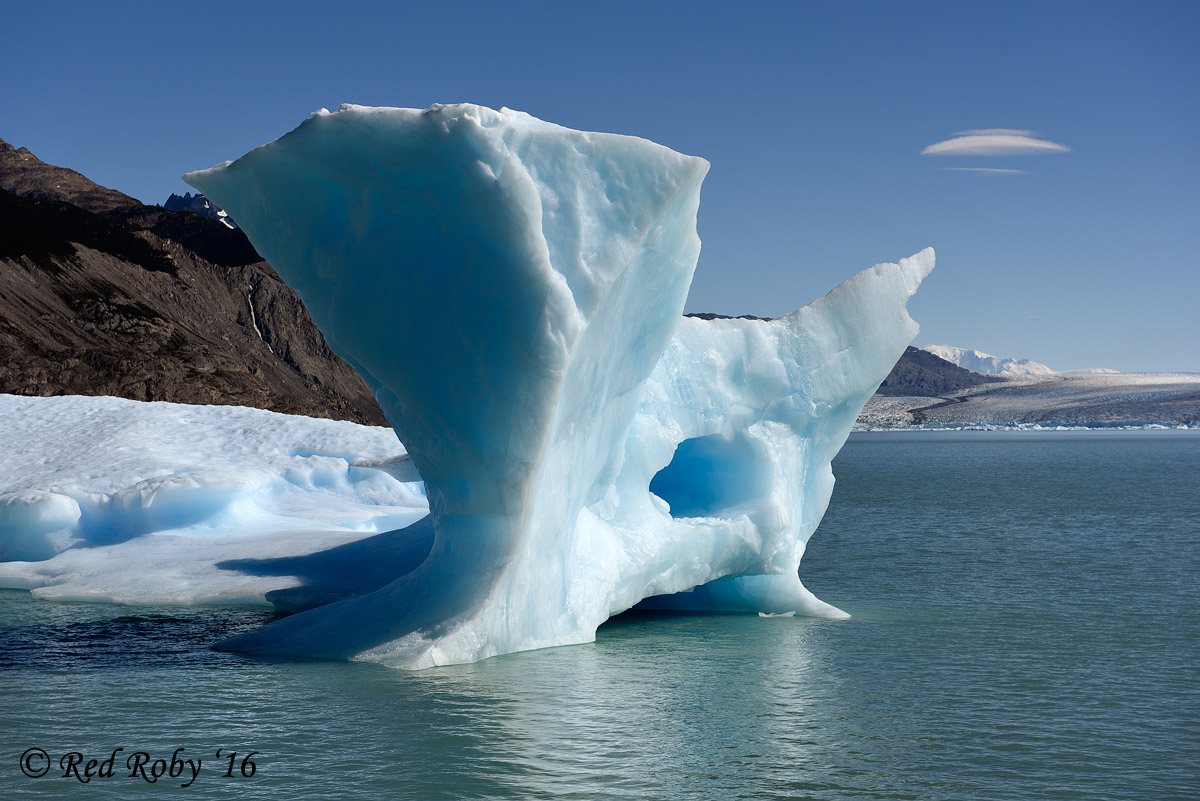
1025	626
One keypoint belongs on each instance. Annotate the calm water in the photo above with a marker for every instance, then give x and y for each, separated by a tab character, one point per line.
1025	626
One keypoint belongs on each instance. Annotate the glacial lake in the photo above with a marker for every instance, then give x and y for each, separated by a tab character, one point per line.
1026	625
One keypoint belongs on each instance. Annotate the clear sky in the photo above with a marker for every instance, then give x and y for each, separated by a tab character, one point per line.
1067	228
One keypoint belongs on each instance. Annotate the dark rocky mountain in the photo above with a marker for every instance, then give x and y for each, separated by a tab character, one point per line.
24	174
715	316
200	205
102	295
922	374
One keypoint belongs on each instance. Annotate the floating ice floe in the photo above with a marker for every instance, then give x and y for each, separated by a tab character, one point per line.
105	499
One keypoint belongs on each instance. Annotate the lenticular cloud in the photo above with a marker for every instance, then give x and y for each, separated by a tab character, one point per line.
993	142
512	292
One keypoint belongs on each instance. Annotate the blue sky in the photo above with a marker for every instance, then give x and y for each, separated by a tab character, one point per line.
814	117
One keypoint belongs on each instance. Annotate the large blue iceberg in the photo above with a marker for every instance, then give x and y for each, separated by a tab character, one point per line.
512	291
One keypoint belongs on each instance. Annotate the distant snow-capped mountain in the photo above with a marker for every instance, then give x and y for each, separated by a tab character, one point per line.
199	204
985	363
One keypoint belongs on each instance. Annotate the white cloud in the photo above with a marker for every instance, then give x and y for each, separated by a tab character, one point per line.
993	142
989	170
995	132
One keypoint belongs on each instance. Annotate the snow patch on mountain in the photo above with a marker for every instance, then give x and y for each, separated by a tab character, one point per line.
987	364
199	204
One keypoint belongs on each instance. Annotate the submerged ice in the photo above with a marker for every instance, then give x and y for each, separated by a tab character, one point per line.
512	292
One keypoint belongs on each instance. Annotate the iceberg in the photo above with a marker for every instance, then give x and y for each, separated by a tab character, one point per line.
569	446
512	292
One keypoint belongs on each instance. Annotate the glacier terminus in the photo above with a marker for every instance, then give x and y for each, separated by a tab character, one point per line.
512	291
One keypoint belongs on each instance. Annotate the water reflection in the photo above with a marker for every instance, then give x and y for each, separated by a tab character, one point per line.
658	707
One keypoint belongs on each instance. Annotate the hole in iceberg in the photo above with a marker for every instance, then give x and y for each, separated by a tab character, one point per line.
710	476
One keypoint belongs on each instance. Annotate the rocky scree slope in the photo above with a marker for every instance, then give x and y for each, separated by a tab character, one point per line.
102	295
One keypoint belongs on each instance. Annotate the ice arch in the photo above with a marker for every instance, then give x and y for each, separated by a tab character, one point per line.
711	476
512	291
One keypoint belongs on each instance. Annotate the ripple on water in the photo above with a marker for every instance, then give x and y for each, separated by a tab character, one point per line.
1024	625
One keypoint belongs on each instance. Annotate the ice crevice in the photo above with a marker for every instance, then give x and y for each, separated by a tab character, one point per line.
512	292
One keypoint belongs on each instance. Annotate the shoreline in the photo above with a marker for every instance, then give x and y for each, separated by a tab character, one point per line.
1057	402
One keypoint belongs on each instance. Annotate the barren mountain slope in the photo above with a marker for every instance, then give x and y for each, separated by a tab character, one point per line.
101	295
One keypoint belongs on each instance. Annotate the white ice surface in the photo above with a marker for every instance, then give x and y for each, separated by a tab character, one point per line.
114	500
